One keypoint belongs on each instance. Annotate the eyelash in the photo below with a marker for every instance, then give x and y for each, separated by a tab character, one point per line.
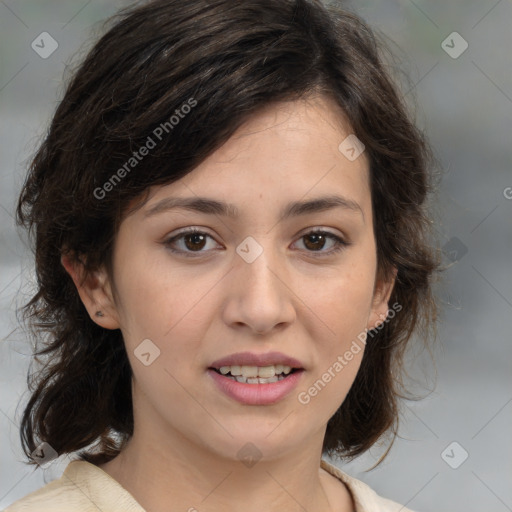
340	243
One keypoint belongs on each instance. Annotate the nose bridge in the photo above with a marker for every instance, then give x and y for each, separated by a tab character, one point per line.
259	266
260	297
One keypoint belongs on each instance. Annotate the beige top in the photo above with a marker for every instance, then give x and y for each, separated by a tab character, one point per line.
84	487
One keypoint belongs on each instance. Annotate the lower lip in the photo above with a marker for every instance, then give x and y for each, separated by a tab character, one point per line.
256	394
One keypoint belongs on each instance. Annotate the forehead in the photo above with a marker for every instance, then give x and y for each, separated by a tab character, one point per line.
285	152
306	126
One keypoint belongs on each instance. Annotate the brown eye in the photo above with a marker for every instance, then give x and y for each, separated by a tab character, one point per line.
315	241
194	241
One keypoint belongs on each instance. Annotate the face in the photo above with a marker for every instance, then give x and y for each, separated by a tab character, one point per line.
257	278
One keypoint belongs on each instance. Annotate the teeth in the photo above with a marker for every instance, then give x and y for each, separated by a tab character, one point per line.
265	372
256	374
249	371
256	380
235	370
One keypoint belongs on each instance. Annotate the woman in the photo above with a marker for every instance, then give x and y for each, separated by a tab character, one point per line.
231	245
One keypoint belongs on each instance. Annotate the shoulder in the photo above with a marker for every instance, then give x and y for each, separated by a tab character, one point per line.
82	487
365	498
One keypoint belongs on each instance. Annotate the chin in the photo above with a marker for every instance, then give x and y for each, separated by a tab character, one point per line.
258	440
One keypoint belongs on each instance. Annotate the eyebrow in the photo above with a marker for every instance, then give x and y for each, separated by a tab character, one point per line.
213	207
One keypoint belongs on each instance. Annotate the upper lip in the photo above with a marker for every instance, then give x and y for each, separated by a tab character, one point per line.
252	359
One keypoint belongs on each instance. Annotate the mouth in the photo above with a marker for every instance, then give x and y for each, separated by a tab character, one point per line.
256	385
256	379
256	374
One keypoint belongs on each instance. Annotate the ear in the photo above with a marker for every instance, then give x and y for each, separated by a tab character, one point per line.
382	292
95	292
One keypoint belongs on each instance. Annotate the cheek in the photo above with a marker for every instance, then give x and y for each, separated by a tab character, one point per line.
344	306
161	303
343	301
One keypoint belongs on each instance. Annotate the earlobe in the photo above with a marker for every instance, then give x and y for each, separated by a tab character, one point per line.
94	291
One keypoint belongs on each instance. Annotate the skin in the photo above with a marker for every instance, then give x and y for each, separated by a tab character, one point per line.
183	453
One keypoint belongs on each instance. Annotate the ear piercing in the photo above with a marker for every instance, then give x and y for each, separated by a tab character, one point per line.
99	313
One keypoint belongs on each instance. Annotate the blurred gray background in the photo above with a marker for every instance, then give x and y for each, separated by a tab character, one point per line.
453	453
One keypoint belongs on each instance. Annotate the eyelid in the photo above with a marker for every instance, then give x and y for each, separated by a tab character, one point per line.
341	241
316	229
185	231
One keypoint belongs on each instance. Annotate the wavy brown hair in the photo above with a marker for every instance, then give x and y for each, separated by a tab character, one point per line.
233	58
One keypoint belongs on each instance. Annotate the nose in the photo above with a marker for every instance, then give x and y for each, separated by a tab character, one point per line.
260	296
